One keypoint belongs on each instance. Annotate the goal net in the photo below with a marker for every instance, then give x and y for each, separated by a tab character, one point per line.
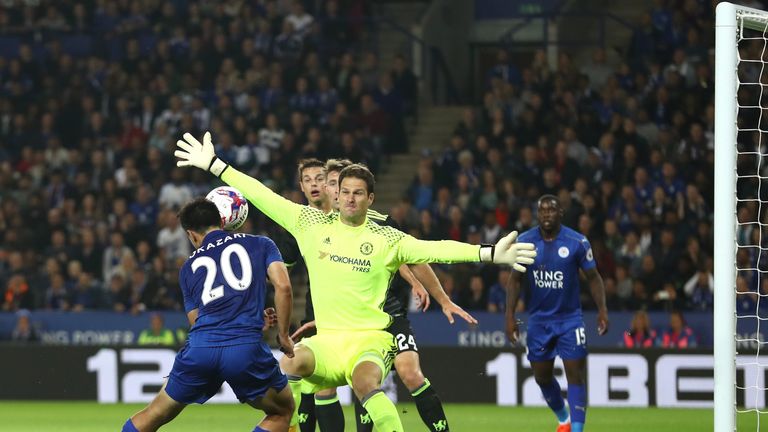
741	252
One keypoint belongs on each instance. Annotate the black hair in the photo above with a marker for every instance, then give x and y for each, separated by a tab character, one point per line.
199	215
361	172
549	198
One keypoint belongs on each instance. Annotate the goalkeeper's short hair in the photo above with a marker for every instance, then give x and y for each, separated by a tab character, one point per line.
359	171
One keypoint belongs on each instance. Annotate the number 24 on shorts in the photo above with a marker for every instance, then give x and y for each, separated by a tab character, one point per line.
402	342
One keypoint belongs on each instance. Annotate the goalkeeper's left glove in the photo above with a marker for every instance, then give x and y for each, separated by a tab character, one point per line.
507	251
193	153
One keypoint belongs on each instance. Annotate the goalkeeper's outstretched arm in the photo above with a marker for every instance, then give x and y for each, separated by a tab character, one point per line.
192	152
506	251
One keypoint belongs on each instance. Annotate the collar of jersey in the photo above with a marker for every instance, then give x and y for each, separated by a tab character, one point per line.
214	234
350	227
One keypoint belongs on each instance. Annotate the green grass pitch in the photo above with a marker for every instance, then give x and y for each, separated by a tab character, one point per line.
90	416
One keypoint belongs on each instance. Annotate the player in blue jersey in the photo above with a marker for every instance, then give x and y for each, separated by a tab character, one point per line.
224	286
555	322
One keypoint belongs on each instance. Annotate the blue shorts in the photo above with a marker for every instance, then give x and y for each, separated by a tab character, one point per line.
199	372
566	338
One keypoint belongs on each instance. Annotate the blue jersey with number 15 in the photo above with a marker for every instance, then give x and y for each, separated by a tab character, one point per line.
552	281
225	280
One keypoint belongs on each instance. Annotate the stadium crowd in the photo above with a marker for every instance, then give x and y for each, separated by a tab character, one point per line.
628	150
95	93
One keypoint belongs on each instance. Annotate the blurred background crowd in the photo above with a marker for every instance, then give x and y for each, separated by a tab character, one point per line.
95	94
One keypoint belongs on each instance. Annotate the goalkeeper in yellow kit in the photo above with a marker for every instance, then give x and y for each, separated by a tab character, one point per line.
350	261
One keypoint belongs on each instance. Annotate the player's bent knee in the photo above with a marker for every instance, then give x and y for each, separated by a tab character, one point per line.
543	380
364	385
301	364
366	378
274	403
294	366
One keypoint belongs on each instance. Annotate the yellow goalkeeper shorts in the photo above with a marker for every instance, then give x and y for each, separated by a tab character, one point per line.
337	353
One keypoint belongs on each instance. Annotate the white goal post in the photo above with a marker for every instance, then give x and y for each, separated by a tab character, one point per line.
734	24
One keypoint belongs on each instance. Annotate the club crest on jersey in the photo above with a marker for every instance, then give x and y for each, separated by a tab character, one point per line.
366	248
563	252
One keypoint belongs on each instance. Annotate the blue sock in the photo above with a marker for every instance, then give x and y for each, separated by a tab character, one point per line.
554	398
260	429
577	399
129	427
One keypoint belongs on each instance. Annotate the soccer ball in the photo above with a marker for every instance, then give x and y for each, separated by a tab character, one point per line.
232	205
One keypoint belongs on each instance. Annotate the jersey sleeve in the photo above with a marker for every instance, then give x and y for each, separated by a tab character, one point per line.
586	257
289	248
186	281
271	253
281	210
413	251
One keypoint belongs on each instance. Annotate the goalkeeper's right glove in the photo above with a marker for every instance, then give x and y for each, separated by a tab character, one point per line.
507	251
193	153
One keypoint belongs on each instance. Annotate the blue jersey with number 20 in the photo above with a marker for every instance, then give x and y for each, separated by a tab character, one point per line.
552	281
225	280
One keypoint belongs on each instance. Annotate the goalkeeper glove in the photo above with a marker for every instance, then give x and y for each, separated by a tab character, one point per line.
507	251
193	153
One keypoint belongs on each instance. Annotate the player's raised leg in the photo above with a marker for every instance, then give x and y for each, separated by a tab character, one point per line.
330	416
366	383
543	373
576	373
160	411
301	365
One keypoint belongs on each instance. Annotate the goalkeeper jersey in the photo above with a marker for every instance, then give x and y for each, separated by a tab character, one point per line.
396	303
350	268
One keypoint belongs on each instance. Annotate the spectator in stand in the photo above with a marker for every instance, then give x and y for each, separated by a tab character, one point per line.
114	254
56	295
157	333
118	297
175	193
25	331
17	294
172	241
699	290
474	297
640	334
746	300
104	119
300	20
406	84
422	189
679	335
497	294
